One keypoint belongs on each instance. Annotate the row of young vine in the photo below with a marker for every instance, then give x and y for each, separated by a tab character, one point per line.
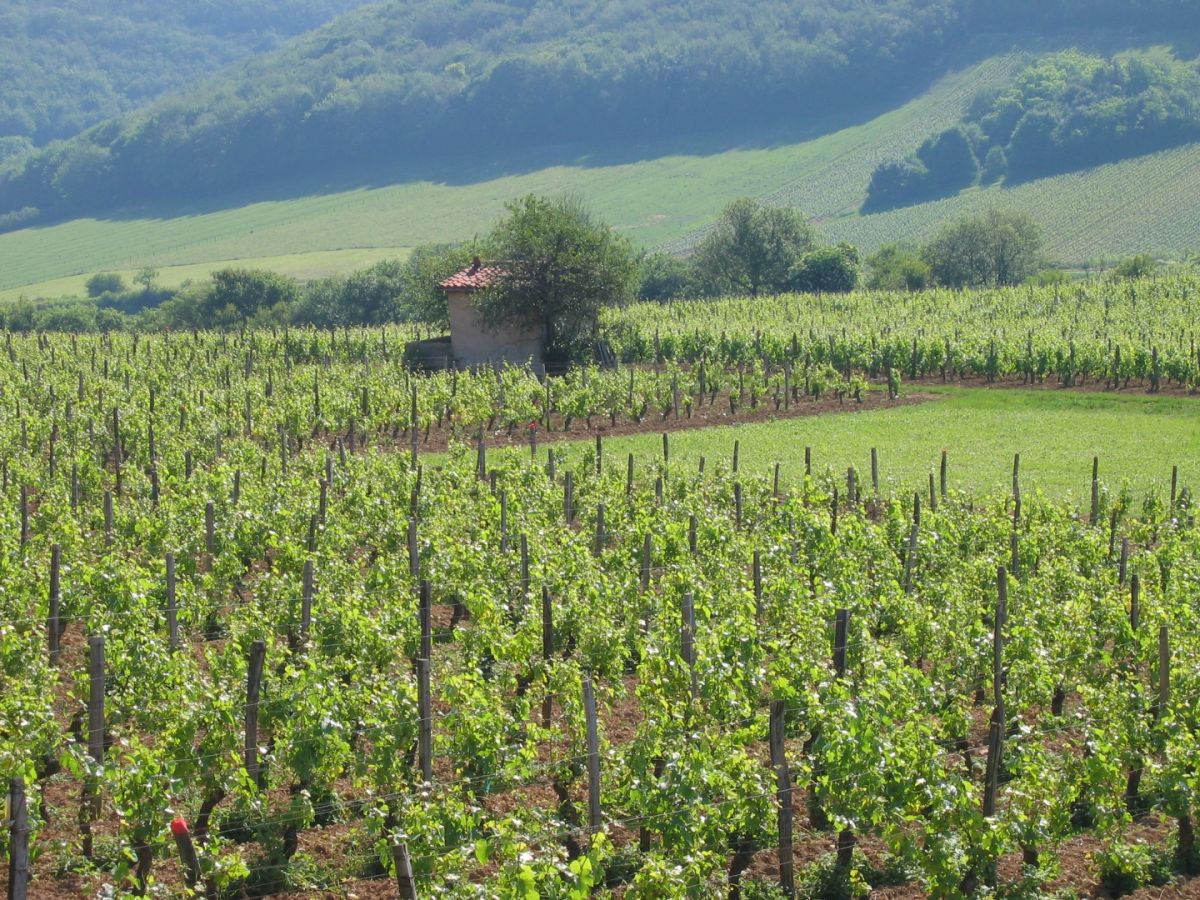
241	457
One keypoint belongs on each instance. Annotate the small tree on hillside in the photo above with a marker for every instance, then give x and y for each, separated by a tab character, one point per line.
561	266
896	267
146	276
236	295
421	300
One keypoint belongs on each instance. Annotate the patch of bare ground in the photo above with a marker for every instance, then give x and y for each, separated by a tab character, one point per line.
719	413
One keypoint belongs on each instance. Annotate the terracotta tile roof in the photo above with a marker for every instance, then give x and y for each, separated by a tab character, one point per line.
473	278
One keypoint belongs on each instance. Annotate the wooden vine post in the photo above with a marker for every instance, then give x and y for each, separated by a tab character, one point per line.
910	555
172	607
54	624
600	538
414	555
569	498
18	840
547	651
687	640
24	514
996	729
108	518
593	755
406	884
1164	672
425	619
757	578
425	721
783	793
306	602
254	673
90	804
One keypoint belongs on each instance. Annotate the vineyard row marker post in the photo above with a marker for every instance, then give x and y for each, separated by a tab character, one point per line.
783	792
593	755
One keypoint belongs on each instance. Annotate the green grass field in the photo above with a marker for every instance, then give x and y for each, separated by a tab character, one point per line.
1138	438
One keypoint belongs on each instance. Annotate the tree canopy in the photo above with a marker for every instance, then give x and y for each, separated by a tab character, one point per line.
1063	111
561	266
998	248
69	64
752	249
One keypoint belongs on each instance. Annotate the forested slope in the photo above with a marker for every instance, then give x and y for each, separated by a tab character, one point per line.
402	80
68	64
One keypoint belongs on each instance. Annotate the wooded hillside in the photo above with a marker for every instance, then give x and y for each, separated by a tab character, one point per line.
398	80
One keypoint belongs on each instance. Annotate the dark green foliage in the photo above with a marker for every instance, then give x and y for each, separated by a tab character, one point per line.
665	277
1032	149
231	298
950	161
389	291
827	270
560	267
997	248
68	64
898	268
249	290
1070	110
105	283
896	183
1139	266
995	164
752	249
1051	277
1062	112
60	315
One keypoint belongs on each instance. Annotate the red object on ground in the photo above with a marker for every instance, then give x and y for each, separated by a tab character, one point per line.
179	826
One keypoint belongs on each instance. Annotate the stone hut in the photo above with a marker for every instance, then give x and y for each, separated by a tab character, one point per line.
472	342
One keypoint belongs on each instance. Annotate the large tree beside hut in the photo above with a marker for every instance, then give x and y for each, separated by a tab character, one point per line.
561	266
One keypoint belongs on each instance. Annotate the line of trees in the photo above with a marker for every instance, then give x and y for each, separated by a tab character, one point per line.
563	266
999	248
753	249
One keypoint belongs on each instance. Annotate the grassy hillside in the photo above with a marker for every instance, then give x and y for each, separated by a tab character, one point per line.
659	192
1147	204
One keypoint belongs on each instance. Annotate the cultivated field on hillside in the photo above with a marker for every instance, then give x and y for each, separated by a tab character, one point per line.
1150	204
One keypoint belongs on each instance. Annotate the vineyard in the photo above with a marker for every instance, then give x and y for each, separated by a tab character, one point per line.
275	616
